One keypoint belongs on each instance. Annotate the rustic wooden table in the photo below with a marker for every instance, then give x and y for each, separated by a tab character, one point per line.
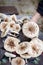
8	10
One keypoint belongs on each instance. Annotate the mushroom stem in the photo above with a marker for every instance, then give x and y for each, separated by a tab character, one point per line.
9	59
0	20
26	61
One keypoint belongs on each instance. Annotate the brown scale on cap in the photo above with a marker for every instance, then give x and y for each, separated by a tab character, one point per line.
13	19
11	43
31	29
11	25
4	25
18	61
6	20
23	47
17	27
34	47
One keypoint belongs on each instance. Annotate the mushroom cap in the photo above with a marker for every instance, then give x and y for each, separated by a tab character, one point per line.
3	16
30	30
3	26
13	17
18	61
37	47
22	47
14	27
4	33
11	43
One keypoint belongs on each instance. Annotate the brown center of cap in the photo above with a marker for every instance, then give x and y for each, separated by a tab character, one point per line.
18	61
11	25
6	20
17	27
13	18
11	43
23	47
31	29
34	47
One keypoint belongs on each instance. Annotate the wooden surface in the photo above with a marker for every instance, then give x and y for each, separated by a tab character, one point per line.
8	10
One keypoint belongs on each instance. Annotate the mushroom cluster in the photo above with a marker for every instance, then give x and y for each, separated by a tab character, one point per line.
15	48
9	24
25	50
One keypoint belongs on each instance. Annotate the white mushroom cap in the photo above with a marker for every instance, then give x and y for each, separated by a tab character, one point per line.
3	16
18	61
30	29
13	17
38	42
11	43
4	33
8	19
22	47
28	54
37	47
17	27
3	26
4	29
14	27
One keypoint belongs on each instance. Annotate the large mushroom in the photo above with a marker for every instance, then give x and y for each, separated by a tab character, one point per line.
30	30
11	43
37	47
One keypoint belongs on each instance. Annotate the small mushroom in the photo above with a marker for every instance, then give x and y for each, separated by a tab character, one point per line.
18	61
